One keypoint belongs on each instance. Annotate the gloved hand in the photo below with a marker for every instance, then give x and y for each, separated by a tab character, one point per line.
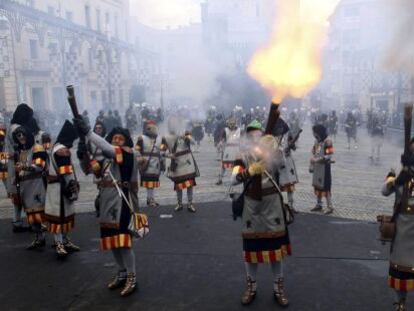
391	173
71	190
82	150
403	177
82	127
256	168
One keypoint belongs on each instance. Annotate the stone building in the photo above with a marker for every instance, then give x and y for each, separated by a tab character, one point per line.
354	73
240	26
46	45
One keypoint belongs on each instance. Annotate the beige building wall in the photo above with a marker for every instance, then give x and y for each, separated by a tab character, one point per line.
82	42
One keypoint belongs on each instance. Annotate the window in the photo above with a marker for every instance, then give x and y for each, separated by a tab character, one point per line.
53	48
33	49
69	16
88	16
116	25
107	22
98	20
90	59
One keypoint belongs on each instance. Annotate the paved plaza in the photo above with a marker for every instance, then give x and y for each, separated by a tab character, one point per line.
194	262
356	180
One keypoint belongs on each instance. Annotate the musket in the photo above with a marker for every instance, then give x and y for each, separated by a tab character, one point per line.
72	101
274	114
295	139
75	111
408	116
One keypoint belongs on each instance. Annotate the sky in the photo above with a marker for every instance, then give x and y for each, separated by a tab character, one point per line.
166	13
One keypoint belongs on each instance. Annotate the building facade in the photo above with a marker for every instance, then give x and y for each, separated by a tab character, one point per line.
240	26
354	71
46	45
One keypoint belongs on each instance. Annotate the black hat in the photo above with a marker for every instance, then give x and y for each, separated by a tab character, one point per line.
280	128
320	130
121	131
22	114
31	124
67	135
27	133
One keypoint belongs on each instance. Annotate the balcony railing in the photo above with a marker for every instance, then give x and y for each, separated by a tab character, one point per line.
36	65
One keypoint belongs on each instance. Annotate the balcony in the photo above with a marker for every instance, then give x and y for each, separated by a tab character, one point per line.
34	67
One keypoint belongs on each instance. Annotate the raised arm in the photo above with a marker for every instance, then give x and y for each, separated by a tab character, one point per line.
108	150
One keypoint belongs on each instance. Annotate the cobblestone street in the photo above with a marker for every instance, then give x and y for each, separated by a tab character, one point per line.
356	180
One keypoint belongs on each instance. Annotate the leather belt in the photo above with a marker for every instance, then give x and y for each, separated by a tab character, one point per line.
265	192
264	235
181	153
402	268
149	154
52	179
125	184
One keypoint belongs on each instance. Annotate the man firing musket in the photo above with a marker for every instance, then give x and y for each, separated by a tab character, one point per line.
401	224
264	232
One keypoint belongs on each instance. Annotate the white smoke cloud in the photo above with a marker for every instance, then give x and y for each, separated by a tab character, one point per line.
166	13
400	54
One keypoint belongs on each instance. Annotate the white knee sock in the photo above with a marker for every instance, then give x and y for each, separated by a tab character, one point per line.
251	272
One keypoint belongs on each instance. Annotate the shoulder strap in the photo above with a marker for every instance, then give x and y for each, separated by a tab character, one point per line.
246	186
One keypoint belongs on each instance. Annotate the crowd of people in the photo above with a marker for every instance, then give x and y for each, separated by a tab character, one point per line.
256	147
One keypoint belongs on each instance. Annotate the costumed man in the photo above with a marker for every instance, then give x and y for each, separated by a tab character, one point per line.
183	168
351	129
4	156
101	117
118	199
231	141
62	191
21	116
152	147
131	119
320	167
377	136
197	132
333	125
401	269
288	176
219	127
30	163
265	233
294	122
